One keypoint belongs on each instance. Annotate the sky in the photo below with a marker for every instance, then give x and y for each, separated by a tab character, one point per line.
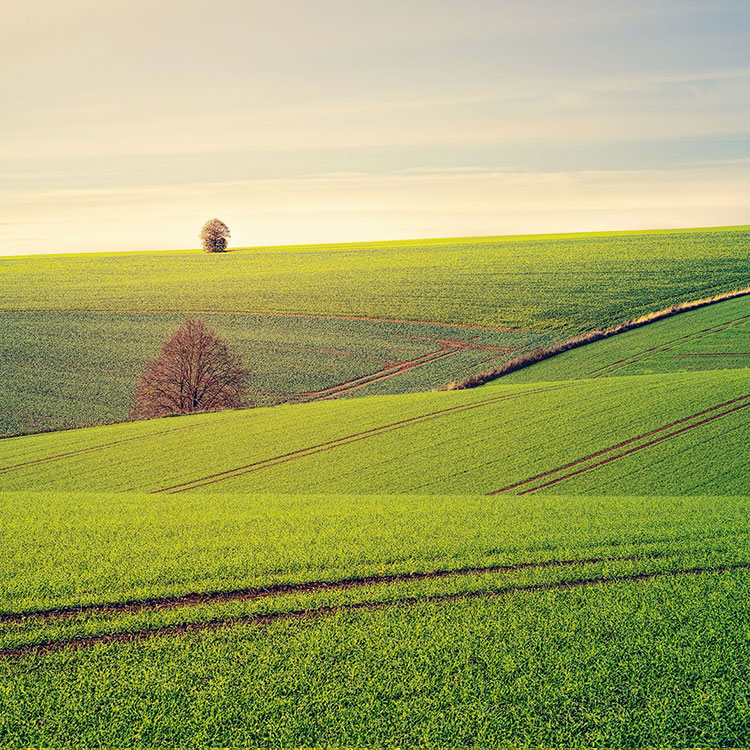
126	124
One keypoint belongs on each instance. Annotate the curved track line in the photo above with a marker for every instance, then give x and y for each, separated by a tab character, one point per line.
354	437
434	356
385	372
303	614
279	589
603	452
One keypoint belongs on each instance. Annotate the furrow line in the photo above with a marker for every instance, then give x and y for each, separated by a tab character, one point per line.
637	448
629	441
280	589
262	619
79	451
345	440
665	347
401	369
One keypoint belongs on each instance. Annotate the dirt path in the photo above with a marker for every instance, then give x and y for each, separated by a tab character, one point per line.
736	404
304	614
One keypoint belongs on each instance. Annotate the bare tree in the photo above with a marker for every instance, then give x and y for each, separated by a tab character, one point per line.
194	372
214	236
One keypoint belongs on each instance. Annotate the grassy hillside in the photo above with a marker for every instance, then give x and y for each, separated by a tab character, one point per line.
77	330
548	284
710	338
506	620
620	430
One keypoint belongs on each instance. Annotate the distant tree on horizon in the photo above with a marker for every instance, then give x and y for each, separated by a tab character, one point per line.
194	372
215	236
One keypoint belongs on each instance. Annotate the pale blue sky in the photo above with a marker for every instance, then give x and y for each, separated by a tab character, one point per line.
126	124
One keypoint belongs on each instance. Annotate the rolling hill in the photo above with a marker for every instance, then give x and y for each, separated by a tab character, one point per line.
336	320
558	557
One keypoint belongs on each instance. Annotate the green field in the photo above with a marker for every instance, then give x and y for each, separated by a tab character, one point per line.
433	620
76	369
621	430
75	331
558	558
710	338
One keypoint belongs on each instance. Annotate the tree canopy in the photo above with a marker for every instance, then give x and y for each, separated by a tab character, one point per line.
194	372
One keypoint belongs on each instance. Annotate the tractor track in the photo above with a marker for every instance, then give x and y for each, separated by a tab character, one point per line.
197	598
346	440
268	618
736	404
90	449
386	372
667	346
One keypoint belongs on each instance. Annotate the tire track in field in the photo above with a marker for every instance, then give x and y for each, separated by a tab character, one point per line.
79	451
346	440
621	364
449	347
734	405
268	618
197	598
383	374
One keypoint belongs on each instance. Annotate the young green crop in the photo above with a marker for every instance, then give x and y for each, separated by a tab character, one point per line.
709	338
476	441
661	662
74	368
84	548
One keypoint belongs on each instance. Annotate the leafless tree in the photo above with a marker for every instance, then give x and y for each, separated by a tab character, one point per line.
194	372
214	236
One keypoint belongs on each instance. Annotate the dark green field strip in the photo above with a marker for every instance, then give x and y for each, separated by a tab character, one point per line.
70	369
208	597
347	440
619	365
531	484
301	614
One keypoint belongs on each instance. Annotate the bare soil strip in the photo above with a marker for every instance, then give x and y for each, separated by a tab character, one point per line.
346	440
304	614
197	598
79	451
629	441
628	452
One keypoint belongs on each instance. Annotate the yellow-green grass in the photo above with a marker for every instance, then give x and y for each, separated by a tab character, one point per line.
83	548
541	283
709	338
638	636
563	437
